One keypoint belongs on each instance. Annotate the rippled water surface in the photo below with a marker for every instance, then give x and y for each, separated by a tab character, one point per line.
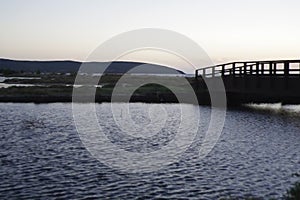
42	156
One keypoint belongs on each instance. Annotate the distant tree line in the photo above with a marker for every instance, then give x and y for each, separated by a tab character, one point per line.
8	71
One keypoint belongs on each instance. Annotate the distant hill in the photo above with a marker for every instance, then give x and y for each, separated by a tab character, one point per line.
73	67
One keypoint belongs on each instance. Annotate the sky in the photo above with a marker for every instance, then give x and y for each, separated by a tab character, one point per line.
228	30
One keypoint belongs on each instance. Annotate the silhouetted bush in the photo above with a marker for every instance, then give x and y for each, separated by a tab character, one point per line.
6	72
293	193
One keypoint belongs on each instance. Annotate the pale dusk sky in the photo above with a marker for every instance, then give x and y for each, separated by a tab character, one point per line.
227	30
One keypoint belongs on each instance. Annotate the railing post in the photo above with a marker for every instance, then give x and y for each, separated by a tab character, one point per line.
286	74
213	72
257	68
251	69
204	73
223	70
257	75
286	68
233	68
262	68
270	68
245	77
275	69
245	69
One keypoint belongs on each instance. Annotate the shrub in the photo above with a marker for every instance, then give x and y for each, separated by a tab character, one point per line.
293	193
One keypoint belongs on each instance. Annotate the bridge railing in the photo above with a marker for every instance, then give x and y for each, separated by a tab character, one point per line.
258	68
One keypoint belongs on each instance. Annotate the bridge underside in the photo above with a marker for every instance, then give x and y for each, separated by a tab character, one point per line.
253	89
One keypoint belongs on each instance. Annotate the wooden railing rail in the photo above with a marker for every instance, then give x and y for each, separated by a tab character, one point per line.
258	68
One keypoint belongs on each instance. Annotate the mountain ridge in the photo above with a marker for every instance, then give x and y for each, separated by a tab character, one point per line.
69	66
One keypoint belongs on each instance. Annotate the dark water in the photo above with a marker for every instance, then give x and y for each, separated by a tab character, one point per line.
41	156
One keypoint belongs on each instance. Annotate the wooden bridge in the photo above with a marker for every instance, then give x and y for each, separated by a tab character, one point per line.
255	81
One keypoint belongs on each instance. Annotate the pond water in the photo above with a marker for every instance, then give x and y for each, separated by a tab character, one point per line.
42	156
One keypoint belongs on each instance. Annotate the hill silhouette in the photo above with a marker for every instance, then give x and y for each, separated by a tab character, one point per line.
119	67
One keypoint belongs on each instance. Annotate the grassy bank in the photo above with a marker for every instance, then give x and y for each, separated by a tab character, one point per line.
59	88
